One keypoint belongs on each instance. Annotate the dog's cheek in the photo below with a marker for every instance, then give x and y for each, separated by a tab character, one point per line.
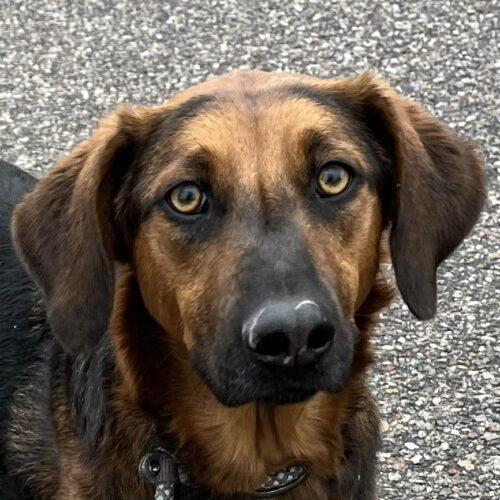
209	291
159	261
365	243
346	252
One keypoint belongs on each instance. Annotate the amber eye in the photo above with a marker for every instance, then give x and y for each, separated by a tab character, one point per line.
186	198
333	179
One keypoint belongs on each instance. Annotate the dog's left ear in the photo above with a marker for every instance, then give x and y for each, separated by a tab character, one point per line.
438	188
67	234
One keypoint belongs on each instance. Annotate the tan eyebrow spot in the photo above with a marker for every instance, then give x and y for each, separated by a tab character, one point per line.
254	145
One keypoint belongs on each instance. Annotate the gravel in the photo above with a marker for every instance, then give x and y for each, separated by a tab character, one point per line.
63	64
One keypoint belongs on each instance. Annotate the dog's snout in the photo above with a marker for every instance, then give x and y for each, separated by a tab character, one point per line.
289	333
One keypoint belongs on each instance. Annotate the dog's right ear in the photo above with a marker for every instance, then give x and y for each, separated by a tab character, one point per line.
436	187
66	234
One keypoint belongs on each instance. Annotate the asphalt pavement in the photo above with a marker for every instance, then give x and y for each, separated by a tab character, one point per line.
64	64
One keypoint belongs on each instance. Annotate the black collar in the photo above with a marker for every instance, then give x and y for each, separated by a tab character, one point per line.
161	469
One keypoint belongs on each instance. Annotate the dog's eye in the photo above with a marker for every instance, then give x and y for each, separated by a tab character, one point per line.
333	179
187	198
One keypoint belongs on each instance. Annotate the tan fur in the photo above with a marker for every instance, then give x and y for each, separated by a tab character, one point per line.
168	295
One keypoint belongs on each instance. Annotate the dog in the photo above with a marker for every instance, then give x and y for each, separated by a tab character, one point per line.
199	280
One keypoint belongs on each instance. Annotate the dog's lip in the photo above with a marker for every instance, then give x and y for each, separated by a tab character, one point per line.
272	398
277	396
235	381
276	390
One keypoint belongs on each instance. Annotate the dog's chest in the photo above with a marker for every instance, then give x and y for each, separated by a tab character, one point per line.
236	449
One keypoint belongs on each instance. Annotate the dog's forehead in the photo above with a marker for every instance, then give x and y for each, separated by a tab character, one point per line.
252	128
258	123
244	81
255	114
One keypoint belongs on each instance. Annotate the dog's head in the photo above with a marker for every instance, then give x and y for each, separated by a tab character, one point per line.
251	211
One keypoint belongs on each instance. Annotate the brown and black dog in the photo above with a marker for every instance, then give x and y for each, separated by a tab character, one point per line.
207	275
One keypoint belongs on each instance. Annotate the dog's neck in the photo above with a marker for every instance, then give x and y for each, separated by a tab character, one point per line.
227	449
154	398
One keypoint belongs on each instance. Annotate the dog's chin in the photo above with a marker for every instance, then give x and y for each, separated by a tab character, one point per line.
240	380
238	391
272	396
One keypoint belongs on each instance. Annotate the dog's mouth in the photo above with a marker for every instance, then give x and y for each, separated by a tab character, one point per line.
274	389
242	380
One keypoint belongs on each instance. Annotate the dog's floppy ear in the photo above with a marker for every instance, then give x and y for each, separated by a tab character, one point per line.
438	187
65	234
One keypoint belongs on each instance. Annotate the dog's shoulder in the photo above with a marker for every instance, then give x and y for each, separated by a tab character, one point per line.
14	183
34	370
23	329
19	297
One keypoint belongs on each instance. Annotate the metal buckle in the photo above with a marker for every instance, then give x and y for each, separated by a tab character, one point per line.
160	468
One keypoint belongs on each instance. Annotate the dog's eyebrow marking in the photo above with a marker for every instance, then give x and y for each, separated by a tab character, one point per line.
170	124
324	98
192	107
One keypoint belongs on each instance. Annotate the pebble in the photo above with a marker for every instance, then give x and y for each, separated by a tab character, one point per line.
466	464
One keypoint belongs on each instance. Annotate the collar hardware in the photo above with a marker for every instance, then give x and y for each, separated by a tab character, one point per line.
282	481
161	469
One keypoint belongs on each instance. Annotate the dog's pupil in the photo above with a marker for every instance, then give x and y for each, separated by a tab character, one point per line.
187	195
332	176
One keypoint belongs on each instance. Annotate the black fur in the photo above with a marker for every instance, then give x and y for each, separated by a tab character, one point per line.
33	366
20	354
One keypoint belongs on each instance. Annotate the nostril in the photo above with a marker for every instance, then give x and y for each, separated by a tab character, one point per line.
273	344
320	337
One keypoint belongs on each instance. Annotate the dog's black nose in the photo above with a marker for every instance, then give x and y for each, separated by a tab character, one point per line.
289	333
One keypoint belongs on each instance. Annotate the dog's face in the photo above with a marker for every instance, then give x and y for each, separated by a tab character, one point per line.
262	234
251	210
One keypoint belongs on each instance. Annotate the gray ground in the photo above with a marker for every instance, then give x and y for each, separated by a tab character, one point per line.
63	64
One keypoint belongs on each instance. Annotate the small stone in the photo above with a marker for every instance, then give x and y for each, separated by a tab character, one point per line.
411	446
399	464
490	436
466	464
394	476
